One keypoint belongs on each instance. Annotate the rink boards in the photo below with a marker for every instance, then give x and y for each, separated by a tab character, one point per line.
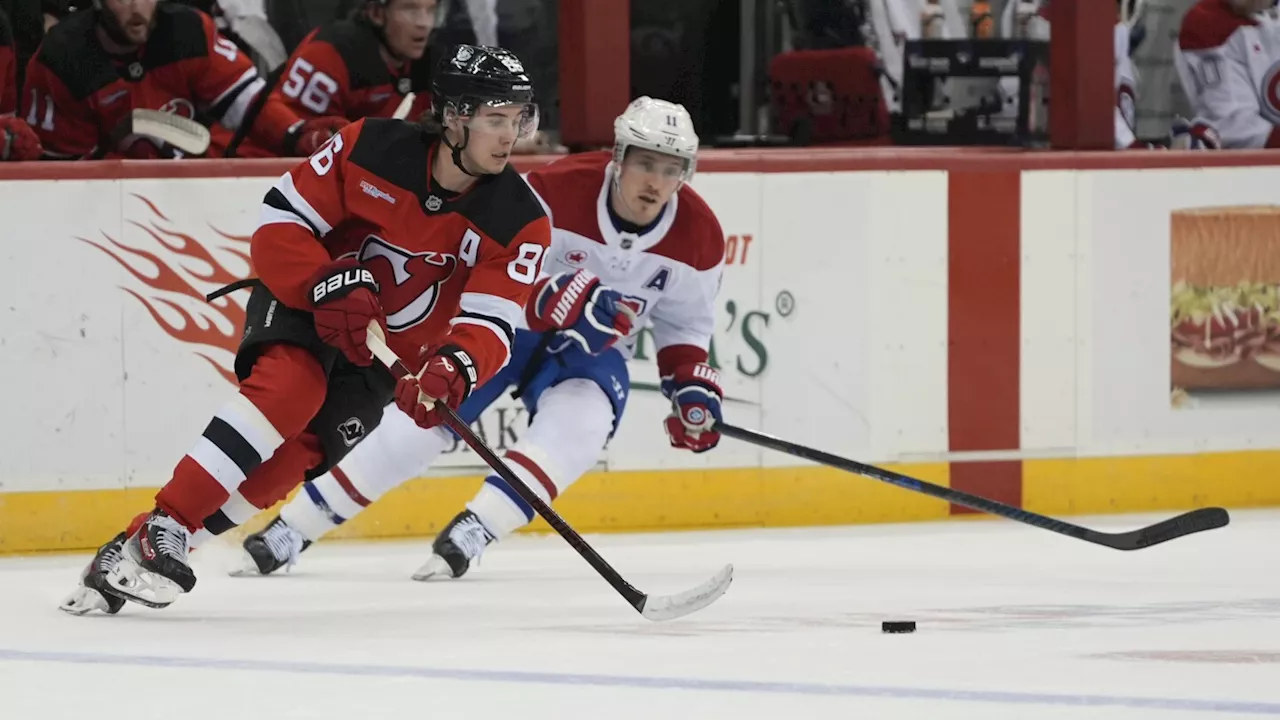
990	321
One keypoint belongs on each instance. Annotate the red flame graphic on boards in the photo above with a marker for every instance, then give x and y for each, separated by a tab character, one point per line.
173	275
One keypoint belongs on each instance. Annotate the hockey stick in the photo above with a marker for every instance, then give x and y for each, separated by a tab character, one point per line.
1165	530
182	133
402	110
656	608
252	112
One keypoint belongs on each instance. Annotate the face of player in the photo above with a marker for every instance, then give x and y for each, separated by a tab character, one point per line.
1251	7
494	131
646	182
128	22
407	23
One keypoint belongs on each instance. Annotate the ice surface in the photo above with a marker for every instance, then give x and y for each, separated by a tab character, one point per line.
1013	623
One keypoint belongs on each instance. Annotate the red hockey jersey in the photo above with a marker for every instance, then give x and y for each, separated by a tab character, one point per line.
451	269
339	70
77	94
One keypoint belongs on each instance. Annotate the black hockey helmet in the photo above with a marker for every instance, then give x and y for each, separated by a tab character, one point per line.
471	76
474	76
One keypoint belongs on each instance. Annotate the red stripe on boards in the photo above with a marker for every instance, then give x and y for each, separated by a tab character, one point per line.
984	299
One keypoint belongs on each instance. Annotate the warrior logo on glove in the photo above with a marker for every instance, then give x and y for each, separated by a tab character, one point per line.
588	312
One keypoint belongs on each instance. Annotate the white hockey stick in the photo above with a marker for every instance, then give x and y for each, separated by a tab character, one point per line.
657	608
402	110
182	133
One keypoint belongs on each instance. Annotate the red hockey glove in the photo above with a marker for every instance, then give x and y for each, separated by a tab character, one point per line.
18	141
448	377
695	396
306	136
584	309
344	300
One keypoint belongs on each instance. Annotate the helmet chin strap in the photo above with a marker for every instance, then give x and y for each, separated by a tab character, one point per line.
457	151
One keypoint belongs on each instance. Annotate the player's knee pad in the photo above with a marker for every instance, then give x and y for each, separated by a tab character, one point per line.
572	424
397	451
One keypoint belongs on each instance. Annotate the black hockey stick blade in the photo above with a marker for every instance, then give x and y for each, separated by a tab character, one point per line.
656	608
1163	531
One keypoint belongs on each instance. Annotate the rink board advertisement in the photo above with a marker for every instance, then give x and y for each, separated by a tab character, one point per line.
922	319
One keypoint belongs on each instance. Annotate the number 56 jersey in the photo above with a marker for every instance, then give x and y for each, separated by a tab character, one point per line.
452	269
672	268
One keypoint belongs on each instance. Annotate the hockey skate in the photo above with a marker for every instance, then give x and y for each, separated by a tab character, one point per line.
271	548
460	542
154	569
94	593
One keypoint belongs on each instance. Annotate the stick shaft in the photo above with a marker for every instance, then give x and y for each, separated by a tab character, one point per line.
1195	521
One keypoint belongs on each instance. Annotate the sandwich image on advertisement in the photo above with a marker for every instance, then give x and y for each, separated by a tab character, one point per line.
1225	298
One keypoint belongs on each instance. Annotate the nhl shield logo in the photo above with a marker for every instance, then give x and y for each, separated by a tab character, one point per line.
135	71
404	85
433	203
351	430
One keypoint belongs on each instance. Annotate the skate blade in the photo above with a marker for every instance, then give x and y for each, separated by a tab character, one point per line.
144	587
84	600
436	568
247	567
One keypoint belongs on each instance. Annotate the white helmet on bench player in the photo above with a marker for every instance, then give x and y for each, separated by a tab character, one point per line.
656	125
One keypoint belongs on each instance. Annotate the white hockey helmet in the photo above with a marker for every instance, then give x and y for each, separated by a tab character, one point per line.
656	125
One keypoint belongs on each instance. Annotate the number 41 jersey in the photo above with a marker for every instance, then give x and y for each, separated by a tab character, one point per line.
452	269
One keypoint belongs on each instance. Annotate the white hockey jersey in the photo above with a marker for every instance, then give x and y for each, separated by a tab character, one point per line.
1229	67
1126	85
672	270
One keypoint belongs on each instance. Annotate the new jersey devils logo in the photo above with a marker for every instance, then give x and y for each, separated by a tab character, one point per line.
408	283
180	107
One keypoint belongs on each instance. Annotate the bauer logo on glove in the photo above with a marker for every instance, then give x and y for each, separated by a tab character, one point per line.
344	296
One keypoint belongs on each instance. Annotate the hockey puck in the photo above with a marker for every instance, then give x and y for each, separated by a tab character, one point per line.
898	626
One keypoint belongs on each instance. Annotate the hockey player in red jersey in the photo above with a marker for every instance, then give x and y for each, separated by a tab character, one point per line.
96	66
364	67
361	67
628	231
17	140
432	240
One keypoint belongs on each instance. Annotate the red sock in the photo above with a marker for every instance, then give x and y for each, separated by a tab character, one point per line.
273	479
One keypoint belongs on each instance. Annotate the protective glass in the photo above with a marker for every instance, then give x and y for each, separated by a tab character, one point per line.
518	121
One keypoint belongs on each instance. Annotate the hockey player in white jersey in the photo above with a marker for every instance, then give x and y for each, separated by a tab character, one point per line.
629	235
1228	61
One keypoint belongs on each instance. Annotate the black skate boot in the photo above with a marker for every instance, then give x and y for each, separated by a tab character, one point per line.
275	546
460	542
94	593
154	570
